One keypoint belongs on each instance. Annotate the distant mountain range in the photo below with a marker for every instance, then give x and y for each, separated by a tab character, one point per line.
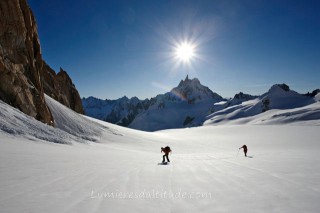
174	109
192	104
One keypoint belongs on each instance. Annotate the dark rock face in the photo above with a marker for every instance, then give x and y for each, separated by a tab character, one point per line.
238	99
313	93
70	92
244	97
21	60
265	104
24	77
284	87
187	120
61	88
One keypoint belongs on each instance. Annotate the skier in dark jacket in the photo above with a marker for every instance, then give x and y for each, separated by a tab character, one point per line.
166	150
245	149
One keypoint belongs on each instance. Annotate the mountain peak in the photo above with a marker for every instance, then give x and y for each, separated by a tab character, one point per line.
187	80
192	91
279	89
123	98
284	86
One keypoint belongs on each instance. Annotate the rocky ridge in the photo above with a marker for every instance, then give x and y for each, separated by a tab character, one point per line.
24	75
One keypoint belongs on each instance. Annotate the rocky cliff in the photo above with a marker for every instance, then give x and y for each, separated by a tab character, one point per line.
61	88
21	61
22	67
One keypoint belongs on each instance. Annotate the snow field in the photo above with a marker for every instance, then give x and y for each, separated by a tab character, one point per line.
120	172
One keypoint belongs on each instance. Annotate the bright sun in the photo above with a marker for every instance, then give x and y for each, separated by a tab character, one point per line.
185	52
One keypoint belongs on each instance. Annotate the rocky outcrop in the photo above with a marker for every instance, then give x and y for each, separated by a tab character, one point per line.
313	93
237	99
21	61
244	97
24	77
192	91
285	87
61	88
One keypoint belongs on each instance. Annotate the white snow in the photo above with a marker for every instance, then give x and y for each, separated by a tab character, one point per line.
70	121
284	107
317	98
120	172
17	124
281	99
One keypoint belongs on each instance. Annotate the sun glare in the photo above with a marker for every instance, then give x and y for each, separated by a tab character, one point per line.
185	52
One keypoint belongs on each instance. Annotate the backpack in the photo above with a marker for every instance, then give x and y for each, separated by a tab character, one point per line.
167	148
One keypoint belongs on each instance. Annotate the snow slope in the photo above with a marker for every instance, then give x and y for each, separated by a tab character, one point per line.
16	124
121	173
70	121
277	106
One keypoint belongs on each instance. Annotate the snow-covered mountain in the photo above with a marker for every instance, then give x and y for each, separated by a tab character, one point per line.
185	105
237	99
121	111
190	101
279	99
192	91
192	104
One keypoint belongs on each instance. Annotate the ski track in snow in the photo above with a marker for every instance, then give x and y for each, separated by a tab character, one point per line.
233	181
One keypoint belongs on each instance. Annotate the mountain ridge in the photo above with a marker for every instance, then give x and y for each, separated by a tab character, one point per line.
190	104
278	97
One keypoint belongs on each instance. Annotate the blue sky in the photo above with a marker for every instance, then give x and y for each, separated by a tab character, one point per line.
116	48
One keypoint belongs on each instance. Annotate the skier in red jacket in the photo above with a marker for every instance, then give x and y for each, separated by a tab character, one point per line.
245	149
166	150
